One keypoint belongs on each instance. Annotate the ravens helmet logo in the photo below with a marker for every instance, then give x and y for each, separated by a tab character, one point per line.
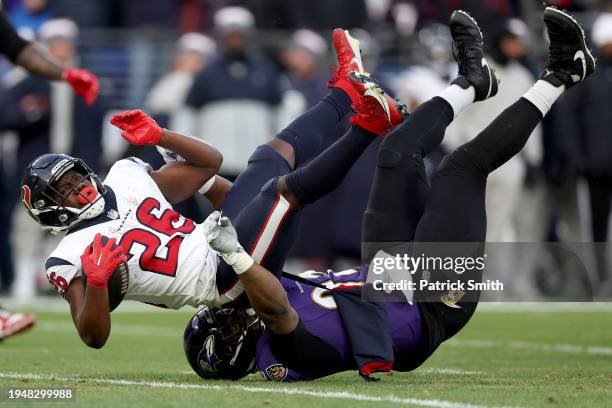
208	359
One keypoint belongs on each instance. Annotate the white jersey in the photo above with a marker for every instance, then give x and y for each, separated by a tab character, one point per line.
170	263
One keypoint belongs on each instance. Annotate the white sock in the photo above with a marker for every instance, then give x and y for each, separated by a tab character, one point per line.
458	98
543	94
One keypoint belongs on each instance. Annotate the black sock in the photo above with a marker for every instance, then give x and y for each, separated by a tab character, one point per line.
504	137
326	171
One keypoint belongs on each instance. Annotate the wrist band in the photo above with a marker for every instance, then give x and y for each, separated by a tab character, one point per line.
207	186
239	261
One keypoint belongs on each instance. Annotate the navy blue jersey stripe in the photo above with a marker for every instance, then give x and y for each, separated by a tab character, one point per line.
53	261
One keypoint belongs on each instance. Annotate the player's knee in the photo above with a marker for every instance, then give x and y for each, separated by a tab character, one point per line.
396	167
283	188
388	159
284	150
461	161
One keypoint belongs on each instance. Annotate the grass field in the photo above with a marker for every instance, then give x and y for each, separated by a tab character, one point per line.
528	358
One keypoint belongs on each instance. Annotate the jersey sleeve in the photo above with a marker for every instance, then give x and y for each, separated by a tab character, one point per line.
60	273
270	368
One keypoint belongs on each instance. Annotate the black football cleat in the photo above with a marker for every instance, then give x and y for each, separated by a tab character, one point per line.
468	51
569	59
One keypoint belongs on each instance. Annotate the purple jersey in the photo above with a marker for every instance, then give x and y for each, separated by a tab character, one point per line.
320	317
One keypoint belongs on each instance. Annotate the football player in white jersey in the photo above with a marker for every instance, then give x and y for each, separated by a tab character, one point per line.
169	261
133	207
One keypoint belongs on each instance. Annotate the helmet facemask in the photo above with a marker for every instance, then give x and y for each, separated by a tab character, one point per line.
51	210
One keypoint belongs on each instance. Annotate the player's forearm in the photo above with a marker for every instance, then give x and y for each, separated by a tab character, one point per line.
93	321
194	151
38	61
216	194
267	296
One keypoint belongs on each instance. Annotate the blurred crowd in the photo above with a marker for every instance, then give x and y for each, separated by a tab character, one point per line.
234	73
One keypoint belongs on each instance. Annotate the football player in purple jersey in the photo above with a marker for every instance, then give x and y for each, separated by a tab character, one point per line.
312	326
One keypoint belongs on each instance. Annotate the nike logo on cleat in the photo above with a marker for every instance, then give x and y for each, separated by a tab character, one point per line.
374	93
580	55
485	64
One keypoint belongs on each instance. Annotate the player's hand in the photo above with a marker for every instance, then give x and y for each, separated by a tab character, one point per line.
99	261
220	234
84	83
222	237
138	127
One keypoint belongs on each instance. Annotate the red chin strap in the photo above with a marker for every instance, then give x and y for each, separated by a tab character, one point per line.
87	195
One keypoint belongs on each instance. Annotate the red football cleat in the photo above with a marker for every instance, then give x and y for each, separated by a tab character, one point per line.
349	59
14	323
349	54
376	111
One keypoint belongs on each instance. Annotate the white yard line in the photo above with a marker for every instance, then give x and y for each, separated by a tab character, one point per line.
530	345
246	388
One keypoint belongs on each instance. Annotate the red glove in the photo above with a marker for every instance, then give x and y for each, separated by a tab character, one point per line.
84	83
138	128
99	261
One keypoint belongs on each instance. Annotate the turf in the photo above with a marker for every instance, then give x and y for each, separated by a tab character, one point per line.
553	358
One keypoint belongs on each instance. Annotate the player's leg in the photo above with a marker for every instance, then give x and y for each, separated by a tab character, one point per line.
376	112
267	225
455	209
273	212
399	189
304	138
